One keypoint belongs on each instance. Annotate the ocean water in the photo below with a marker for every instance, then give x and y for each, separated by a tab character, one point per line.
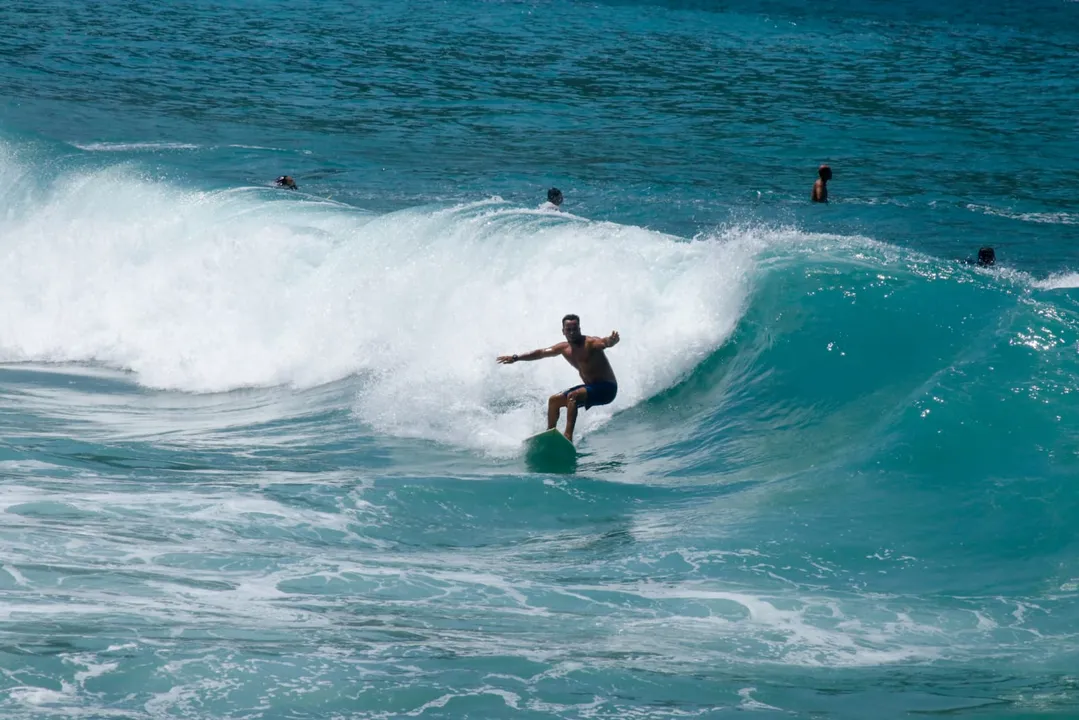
257	459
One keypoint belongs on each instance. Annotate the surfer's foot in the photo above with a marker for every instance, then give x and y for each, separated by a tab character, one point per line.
569	436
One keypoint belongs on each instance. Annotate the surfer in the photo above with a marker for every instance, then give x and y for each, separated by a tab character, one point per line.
820	188
585	353
286	181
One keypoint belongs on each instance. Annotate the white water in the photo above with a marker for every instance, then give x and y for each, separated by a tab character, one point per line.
213	291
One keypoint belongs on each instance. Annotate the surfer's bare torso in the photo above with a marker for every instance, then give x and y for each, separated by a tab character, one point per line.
588	359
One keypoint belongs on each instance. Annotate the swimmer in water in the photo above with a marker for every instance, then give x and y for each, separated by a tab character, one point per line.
820	188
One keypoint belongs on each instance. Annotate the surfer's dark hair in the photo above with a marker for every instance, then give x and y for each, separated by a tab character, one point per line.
571	316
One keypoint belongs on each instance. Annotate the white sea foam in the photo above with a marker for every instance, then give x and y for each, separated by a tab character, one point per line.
1049	218
1062	281
206	292
134	146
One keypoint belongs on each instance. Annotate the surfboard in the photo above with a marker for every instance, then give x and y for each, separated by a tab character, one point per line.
550	452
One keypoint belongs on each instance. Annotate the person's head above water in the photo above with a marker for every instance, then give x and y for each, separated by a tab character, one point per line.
571	329
986	256
824	172
285	181
554	196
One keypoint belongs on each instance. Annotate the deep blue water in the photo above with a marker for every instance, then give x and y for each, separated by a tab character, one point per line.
257	459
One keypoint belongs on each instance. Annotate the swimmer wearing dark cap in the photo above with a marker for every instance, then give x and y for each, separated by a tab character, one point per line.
987	257
554	199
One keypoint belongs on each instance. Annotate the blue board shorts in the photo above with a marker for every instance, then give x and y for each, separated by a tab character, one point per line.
599	393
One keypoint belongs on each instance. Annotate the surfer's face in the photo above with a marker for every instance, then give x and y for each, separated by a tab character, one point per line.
571	329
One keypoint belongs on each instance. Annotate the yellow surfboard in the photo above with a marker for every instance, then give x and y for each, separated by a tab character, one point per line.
550	452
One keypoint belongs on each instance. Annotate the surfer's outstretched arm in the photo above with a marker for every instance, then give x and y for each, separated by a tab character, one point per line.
611	340
553	351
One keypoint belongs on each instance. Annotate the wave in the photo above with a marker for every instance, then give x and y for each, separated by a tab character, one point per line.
212	291
753	345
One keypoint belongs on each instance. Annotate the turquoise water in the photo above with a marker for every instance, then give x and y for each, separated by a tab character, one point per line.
258	460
